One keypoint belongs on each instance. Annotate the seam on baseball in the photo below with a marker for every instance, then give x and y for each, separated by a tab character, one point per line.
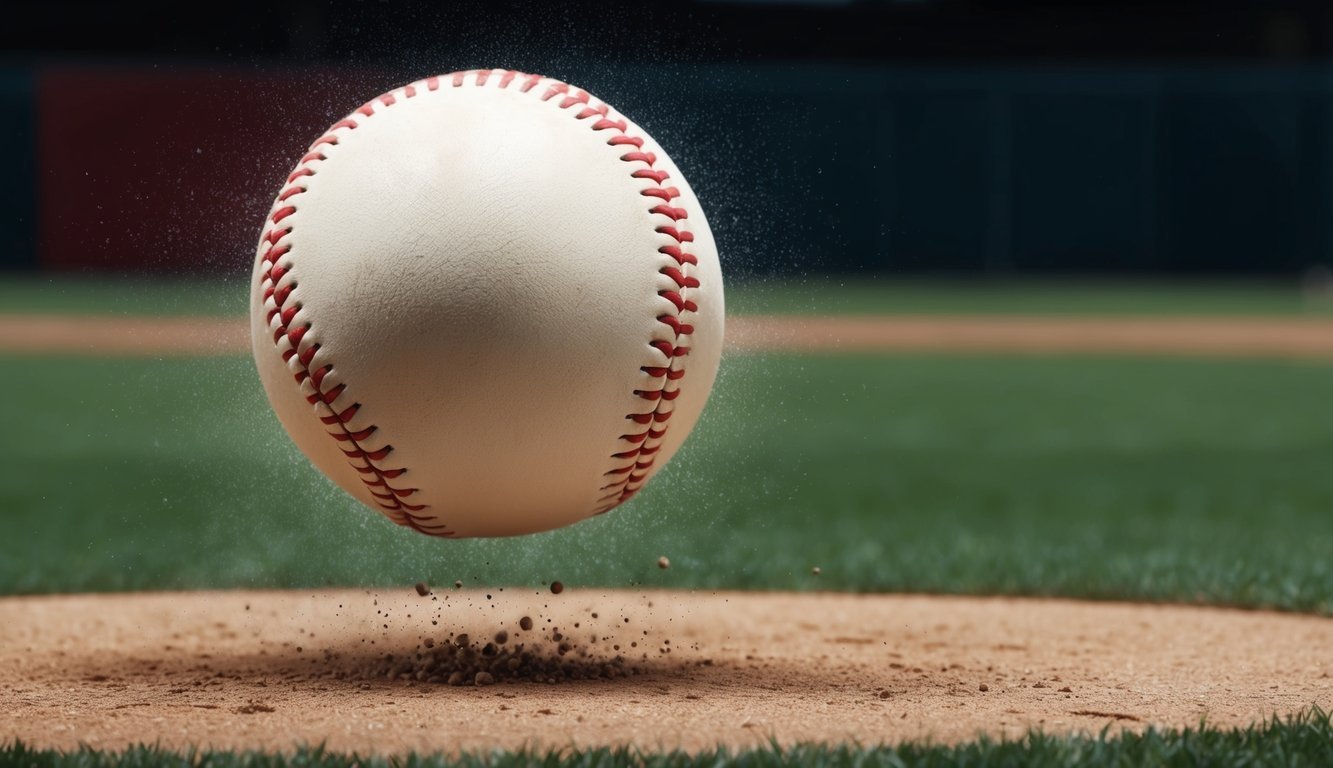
293	339
313	369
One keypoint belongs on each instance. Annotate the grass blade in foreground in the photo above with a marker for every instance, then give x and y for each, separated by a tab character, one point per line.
1304	739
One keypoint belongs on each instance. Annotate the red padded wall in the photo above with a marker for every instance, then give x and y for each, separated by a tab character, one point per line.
149	170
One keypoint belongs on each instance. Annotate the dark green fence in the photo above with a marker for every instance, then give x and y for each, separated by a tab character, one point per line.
1003	170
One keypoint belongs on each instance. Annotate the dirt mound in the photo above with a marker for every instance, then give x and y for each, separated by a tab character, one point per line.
462	670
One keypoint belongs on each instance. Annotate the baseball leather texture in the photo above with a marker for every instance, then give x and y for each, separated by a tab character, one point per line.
486	304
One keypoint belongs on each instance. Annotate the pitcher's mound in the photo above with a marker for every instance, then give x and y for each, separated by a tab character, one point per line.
462	669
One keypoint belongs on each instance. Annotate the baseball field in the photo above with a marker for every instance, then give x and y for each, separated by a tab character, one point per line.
935	523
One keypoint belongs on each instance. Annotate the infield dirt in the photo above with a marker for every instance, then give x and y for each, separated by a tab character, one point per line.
365	671
1290	338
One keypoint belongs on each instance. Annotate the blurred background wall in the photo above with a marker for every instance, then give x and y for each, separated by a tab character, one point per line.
882	136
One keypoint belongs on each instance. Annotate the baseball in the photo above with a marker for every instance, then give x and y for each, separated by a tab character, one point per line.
487	304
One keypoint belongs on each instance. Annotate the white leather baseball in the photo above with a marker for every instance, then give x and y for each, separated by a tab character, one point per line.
486	304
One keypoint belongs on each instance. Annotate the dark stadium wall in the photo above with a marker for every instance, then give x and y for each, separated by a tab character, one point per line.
886	168
18	225
166	170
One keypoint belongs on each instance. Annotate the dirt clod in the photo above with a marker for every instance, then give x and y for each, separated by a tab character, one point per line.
983	687
550	660
422	588
525	623
557	587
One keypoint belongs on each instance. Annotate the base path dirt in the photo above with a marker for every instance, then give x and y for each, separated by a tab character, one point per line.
1200	336
123	336
461	670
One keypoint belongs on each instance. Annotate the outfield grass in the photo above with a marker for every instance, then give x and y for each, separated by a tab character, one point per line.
46	294
1301	740
815	295
1105	478
826	295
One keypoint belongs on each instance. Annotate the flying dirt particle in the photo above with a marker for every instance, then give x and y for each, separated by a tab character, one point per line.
483	678
663	562
983	687
429	642
816	570
557	587
525	623
501	637
461	641
458	585
422	589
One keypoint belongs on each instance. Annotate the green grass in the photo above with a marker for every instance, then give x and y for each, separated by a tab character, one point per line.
118	295
1104	478
1300	740
821	295
830	295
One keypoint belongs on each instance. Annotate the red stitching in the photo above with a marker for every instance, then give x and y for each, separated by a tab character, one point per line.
641	444
365	461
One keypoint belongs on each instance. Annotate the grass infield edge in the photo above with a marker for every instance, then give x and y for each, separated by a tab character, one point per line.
1304	738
